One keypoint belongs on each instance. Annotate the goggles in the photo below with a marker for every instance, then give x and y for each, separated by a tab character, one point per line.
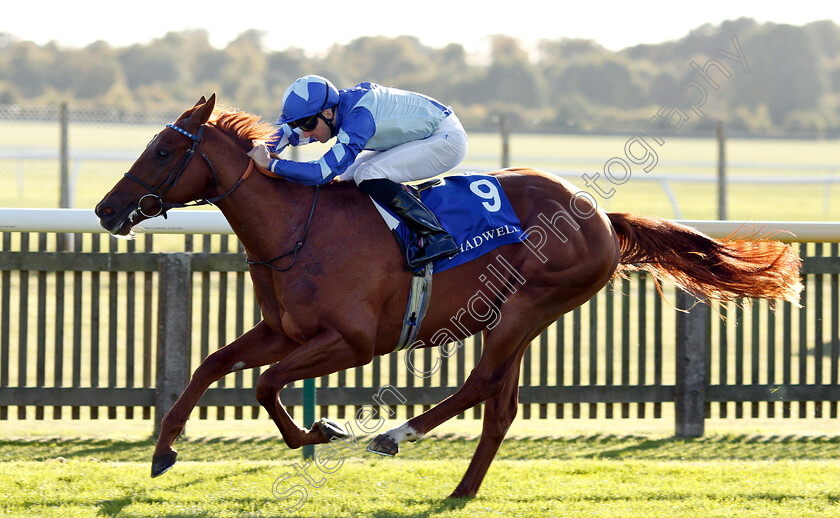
307	123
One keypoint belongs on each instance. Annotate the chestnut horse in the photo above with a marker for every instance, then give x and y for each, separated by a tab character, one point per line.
332	283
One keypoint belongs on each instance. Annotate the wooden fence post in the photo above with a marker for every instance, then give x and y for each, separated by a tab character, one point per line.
174	314
690	390
505	131
65	197
65	242
721	140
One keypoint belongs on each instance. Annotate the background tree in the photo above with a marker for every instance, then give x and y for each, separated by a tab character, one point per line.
562	85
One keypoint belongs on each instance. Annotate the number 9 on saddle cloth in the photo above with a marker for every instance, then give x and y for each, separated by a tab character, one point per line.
473	208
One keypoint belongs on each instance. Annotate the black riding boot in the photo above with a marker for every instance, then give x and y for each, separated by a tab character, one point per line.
437	243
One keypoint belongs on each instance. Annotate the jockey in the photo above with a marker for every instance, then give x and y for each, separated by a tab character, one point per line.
384	138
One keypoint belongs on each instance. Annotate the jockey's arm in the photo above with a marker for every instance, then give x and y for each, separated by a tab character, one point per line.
264	154
286	136
349	143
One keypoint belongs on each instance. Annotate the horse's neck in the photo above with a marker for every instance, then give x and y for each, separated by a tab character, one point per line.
266	213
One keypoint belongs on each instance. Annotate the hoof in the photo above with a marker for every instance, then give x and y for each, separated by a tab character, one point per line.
383	445
161	463
330	429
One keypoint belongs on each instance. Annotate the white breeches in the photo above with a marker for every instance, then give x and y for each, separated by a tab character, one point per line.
436	154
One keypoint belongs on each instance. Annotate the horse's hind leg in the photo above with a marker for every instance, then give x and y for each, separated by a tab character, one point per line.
499	412
259	346
503	350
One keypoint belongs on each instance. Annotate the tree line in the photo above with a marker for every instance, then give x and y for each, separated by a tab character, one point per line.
793	84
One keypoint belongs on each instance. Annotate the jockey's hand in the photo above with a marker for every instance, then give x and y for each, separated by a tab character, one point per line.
260	156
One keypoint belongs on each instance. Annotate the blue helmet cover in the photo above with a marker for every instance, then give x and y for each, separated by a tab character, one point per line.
307	96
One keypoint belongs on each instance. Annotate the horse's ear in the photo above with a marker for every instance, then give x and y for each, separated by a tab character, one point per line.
203	111
200	101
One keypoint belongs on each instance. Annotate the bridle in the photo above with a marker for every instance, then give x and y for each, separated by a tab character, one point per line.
173	176
159	191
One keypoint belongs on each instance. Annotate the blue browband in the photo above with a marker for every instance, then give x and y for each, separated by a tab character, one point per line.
183	132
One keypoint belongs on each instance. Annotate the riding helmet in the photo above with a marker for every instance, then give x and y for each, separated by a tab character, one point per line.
307	96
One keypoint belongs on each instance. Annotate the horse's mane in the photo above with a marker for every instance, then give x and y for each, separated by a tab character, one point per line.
243	127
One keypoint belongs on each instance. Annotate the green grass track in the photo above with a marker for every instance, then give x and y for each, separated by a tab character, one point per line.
742	476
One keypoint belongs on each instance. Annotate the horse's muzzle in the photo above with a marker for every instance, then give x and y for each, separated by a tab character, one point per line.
117	222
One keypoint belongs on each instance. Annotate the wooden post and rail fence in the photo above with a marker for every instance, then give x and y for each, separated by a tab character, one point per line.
161	312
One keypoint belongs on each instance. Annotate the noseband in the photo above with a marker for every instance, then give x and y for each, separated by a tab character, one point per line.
157	192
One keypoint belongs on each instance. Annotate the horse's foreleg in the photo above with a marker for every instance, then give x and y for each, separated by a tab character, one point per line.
259	346
499	412
324	354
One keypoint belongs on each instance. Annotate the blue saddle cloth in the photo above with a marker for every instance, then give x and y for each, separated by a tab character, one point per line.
473	208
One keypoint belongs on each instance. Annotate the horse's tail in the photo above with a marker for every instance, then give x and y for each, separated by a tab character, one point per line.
706	267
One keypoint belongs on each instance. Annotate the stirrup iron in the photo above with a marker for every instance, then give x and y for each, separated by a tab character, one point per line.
418	303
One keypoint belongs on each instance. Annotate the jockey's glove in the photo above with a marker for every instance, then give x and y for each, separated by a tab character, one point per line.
260	156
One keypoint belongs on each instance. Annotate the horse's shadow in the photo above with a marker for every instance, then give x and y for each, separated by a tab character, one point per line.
113	507
434	510
643	446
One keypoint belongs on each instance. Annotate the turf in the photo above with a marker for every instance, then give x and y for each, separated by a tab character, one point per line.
593	475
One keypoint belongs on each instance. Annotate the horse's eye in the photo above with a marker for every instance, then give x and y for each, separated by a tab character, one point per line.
163	154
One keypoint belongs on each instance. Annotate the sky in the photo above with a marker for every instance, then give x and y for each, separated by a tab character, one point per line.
316	25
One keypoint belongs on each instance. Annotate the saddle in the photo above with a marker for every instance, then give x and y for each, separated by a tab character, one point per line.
428	184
